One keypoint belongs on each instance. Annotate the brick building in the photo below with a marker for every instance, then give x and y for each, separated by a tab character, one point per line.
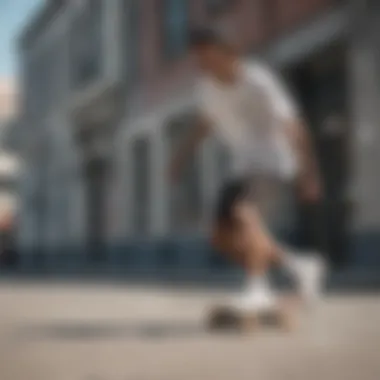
106	92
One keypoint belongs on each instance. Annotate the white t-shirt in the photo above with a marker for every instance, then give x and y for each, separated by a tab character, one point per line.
249	117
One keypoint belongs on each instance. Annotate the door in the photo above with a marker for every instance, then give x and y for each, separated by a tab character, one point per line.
321	87
96	181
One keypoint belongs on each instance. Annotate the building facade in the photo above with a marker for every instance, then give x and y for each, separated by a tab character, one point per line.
106	94
9	172
9	165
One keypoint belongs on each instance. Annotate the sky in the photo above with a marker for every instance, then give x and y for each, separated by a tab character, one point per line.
13	15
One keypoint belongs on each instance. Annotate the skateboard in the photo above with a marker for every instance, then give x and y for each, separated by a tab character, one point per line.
222	318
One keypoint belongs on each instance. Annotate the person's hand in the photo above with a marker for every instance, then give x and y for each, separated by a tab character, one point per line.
310	189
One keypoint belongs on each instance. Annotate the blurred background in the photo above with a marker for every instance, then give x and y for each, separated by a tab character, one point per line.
94	95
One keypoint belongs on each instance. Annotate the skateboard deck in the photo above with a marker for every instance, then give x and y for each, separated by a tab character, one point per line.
227	318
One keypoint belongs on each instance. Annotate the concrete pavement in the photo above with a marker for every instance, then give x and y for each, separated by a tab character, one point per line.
99	332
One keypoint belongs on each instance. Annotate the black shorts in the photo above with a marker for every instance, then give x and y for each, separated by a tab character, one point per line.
232	192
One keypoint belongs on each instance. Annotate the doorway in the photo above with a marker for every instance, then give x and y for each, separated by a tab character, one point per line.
320	84
92	142
96	182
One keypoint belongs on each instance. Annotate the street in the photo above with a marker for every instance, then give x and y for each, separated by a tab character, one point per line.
102	332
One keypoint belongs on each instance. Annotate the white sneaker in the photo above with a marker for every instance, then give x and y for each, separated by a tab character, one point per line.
256	298
310	273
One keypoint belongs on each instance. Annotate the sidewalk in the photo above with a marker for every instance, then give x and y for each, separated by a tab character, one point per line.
355	279
98	332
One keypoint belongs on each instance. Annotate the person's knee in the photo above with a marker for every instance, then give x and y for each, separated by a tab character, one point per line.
253	235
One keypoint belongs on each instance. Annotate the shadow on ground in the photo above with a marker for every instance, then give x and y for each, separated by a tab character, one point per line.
104	330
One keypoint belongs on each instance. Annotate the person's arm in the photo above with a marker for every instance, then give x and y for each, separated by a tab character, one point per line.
288	115
187	147
309	177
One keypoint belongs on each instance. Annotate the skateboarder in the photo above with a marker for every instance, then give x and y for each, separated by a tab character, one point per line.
247	107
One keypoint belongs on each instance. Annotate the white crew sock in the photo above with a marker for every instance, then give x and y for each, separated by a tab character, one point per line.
290	261
308	270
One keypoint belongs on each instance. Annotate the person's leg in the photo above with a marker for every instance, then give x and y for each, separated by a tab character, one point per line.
259	250
307	267
238	231
240	234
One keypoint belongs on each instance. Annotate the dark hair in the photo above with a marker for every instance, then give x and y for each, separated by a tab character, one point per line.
203	37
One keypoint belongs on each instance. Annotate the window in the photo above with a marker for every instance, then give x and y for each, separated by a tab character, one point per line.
131	34
175	19
86	42
141	185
